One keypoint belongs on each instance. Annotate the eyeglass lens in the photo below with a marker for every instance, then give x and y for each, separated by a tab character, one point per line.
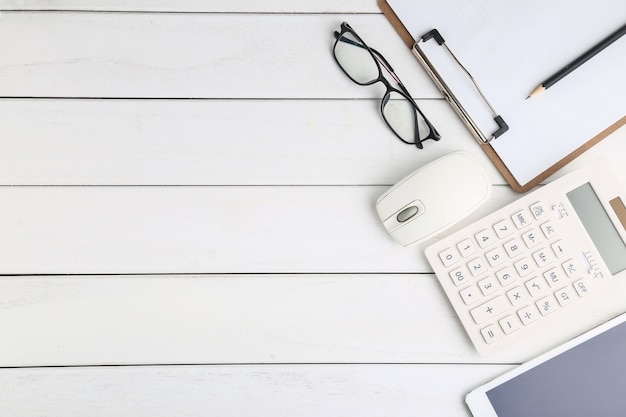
355	59
401	117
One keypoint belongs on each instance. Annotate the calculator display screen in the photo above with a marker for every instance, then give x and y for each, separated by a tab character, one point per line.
599	227
586	380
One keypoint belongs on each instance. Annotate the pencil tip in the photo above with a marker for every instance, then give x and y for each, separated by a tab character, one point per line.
536	91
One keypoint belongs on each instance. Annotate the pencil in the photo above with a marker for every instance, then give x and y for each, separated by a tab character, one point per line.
578	61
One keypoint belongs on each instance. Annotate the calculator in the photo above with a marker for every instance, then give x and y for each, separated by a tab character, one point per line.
542	269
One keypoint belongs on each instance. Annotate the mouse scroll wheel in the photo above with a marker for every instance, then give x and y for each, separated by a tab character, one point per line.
407	214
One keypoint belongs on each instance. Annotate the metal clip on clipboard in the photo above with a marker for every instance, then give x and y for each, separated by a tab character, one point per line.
480	136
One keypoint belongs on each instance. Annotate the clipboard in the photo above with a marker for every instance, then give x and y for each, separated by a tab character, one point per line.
526	42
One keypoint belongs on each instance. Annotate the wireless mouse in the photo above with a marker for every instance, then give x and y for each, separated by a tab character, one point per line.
433	198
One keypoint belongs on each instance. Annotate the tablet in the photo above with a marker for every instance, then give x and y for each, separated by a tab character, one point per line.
584	377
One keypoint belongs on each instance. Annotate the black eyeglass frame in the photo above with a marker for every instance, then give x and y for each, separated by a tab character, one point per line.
379	59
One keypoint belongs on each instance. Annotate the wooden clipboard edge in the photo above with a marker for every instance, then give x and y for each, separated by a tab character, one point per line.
408	39
396	23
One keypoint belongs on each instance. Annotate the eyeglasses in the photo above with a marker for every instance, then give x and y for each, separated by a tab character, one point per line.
362	65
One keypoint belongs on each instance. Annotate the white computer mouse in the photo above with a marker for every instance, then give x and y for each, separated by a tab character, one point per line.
433	198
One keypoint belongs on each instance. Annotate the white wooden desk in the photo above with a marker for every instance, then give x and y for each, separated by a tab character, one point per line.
187	221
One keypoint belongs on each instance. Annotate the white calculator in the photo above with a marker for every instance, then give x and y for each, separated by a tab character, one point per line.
542	269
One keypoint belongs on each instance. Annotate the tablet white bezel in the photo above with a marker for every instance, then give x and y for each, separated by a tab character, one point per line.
477	400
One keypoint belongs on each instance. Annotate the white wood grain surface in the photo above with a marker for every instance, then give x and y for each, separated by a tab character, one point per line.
212	142
197	6
188	55
154	391
187	221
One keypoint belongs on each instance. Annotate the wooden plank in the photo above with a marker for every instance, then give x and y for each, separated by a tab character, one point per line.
337	390
199	6
214	142
226	142
186	56
87	320
121	230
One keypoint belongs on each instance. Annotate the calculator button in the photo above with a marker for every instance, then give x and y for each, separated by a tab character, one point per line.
546	305
495	257
503	228
485	238
535	286
477	266
538	210
516	296
528	314
543	257
548	229
489	310
532	238
488	286
490	333
513	247
571	268
522	218
554	277
448	257
564	296
558	248
466	248
470	295
509	324
524	267
459	275
581	287
506	276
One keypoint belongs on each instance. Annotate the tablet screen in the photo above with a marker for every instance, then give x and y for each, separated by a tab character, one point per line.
586	380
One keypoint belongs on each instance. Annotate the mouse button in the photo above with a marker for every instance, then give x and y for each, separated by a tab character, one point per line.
404	216
447	166
454	198
472	189
414	231
477	191
407	214
462	181
396	199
